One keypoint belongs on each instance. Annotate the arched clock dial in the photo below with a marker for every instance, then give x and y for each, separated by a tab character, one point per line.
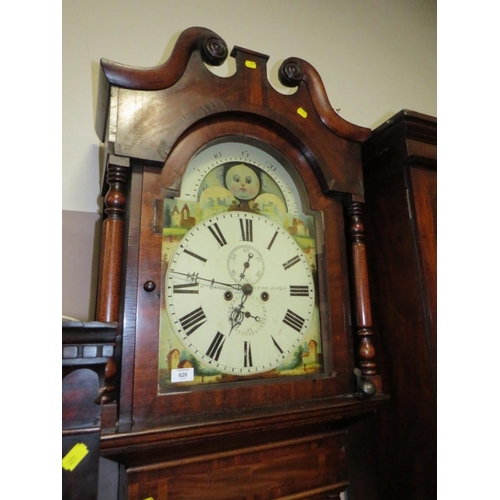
240	293
236	152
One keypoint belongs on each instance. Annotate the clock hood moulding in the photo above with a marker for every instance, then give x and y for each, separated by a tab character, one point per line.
167	100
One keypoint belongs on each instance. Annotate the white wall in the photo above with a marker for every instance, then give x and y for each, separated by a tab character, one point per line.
375	57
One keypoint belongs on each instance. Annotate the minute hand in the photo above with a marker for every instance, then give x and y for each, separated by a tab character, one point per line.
195	278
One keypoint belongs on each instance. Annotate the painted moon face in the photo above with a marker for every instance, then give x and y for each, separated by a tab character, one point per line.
242	182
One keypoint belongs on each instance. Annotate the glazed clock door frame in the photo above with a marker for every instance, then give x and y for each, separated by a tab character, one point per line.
147	409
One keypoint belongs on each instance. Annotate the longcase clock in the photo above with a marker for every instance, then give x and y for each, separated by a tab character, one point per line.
233	261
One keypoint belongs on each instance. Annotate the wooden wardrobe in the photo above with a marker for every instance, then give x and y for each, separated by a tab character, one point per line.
394	452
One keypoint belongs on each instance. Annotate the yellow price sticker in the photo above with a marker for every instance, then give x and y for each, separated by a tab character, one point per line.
74	456
250	64
302	112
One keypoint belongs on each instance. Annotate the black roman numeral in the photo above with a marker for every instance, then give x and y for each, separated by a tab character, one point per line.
195	255
247	353
293	320
193	320
289	263
246	229
216	232
272	240
299	291
216	346
186	288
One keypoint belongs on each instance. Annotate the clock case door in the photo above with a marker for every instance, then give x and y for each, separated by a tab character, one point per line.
153	121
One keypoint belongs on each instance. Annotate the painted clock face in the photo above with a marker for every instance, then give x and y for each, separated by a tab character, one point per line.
240	293
239	262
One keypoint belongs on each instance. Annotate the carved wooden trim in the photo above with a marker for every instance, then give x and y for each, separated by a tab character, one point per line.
293	71
365	349
213	51
305	115
108	296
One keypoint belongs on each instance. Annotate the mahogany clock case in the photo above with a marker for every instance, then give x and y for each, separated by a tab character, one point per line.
178	116
153	122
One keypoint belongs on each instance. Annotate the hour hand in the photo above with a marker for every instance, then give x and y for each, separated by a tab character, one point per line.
195	278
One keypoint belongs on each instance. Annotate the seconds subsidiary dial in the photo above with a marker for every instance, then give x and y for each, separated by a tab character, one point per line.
240	293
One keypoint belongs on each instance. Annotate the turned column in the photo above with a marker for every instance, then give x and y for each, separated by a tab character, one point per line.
109	285
364	326
108	294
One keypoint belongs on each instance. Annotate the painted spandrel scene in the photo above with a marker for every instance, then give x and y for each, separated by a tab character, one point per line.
242	187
